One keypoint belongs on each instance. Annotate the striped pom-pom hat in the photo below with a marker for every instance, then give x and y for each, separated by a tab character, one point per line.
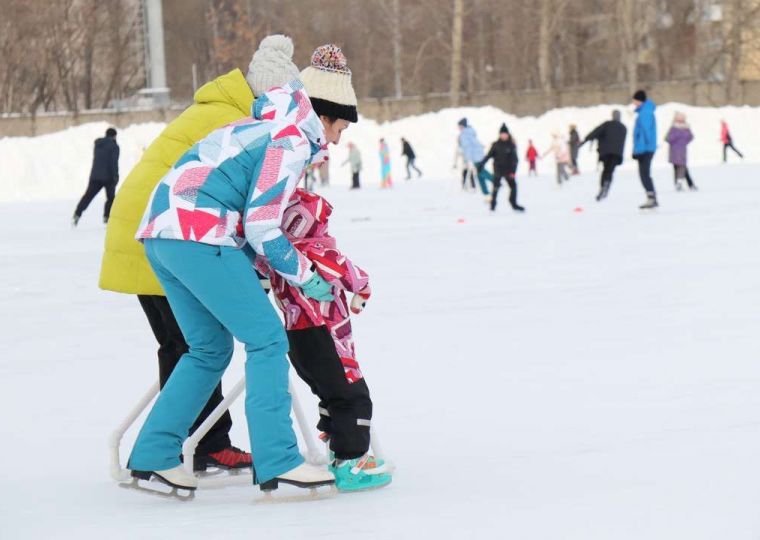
328	83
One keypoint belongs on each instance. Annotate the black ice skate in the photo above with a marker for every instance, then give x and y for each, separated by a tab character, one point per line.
603	191
651	202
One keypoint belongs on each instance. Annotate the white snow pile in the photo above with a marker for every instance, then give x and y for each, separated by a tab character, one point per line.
56	166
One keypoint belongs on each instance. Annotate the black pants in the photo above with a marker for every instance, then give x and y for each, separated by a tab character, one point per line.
574	158
609	163
686	172
93	188
345	409
497	176
467	171
355	180
171	347
645	171
410	164
726	146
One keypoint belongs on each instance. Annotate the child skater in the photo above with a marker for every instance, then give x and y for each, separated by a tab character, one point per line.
531	155
679	136
321	342
561	156
385	165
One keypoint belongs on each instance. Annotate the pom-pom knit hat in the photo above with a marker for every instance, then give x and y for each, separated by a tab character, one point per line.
504	129
272	64
328	83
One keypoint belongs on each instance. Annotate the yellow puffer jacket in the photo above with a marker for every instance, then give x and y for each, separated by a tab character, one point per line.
217	103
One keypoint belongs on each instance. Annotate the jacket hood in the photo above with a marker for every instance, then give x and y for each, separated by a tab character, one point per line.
229	88
289	105
306	215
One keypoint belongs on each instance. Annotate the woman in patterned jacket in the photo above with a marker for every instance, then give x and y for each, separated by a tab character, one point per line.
219	205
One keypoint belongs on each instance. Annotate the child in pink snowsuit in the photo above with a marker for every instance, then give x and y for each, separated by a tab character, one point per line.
319	333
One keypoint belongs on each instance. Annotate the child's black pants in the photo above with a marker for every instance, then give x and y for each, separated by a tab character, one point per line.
345	408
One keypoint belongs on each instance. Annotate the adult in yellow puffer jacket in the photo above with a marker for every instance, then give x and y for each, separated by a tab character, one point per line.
125	268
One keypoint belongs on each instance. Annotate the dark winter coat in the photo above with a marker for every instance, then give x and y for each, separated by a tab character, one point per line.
407	151
611	136
105	161
678	138
575	142
504	154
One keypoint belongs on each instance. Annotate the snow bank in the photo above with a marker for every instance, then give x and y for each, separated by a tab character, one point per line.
433	135
56	166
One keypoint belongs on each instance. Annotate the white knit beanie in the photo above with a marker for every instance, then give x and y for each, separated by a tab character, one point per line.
328	83
272	64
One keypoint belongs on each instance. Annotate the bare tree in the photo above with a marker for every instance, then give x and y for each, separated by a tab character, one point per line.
77	54
456	52
396	35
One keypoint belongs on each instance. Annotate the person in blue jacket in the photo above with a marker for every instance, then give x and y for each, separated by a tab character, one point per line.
645	144
472	151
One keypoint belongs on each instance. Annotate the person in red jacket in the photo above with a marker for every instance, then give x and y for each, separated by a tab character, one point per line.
728	142
321	340
531	155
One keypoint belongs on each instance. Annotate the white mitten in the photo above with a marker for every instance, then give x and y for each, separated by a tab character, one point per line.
358	302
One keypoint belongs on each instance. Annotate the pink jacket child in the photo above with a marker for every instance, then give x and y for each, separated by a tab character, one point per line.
305	223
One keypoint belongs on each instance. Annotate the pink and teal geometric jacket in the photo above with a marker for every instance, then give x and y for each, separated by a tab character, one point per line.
305	225
233	186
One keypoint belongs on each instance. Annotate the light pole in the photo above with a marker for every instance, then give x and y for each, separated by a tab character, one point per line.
154	57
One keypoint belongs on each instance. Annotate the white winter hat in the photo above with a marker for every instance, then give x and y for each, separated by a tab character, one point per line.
328	83
272	64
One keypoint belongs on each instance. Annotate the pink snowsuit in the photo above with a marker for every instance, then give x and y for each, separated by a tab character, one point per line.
725	137
305	225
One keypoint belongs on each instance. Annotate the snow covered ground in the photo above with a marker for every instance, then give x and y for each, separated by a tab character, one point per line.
555	375
57	165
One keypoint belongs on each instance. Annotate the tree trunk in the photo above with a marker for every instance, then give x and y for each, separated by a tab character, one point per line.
397	65
456	53
626	16
734	55
544	45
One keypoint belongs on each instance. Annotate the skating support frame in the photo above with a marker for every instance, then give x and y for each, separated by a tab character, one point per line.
313	454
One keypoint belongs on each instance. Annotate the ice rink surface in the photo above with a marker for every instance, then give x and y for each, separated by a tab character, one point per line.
583	371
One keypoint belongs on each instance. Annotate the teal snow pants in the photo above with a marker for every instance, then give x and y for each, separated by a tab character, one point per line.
483	177
215	294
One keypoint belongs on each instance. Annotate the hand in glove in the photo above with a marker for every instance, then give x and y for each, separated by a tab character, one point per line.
358	302
318	289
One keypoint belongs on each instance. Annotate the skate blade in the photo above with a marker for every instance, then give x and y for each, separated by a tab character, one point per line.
312	494
173	493
364	489
221	472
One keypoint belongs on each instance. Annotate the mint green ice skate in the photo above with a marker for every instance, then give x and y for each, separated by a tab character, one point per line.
373	461
360	474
